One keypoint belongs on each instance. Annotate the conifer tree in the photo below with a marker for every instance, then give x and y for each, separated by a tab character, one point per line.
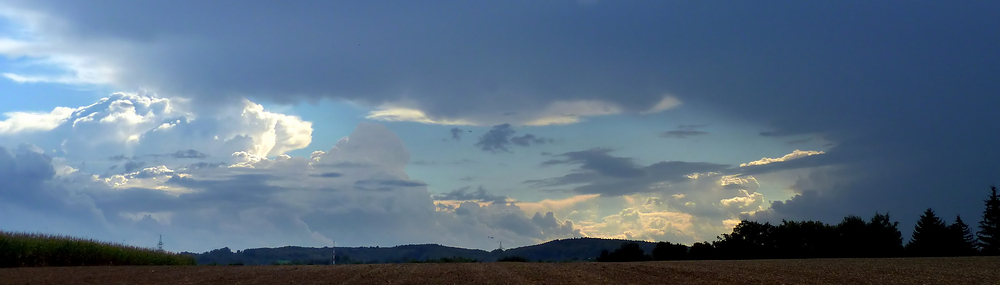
989	227
963	243
930	236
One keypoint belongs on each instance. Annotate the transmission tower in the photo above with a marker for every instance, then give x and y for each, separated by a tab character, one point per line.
159	245
501	244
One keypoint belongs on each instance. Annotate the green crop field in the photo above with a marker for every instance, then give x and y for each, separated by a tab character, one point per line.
34	250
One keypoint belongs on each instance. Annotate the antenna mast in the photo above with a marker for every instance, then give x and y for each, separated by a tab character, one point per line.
159	246
334	261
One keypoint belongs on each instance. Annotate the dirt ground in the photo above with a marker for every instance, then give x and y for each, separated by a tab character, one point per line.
964	270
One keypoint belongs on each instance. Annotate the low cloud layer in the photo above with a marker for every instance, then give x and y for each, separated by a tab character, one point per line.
602	173
356	194
684	131
501	137
463	194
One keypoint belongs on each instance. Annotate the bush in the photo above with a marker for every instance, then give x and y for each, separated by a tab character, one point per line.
628	252
669	251
512	259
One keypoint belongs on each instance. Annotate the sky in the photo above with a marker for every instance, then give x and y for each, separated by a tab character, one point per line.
381	123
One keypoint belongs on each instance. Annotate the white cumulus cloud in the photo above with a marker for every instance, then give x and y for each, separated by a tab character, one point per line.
17	122
794	155
138	124
668	102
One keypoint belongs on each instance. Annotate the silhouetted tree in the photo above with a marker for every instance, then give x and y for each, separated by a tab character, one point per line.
702	250
930	236
748	240
884	237
669	251
852	237
960	239
605	256
989	227
879	237
629	251
512	259
803	239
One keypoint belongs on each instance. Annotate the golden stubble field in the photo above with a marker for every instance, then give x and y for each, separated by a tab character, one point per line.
949	270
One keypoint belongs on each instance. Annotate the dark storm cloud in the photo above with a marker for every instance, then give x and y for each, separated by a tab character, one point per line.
602	173
680	134
463	194
599	172
509	217
456	133
496	139
230	193
386	185
691	126
133	165
799	141
203	165
233	180
120	157
454	59
684	131
24	167
905	91
25	176
910	114
528	139
599	161
327	175
500	137
346	164
190	154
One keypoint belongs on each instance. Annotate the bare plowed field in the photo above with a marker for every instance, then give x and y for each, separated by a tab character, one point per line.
966	270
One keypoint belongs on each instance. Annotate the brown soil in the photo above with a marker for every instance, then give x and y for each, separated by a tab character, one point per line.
961	270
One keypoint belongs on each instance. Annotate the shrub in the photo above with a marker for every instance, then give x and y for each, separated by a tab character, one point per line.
512	259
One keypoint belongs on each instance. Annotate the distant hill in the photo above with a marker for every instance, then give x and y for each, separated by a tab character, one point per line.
581	249
577	249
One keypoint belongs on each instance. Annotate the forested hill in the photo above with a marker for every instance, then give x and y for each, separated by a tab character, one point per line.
572	249
557	250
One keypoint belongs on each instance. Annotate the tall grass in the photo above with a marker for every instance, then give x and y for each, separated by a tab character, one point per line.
31	249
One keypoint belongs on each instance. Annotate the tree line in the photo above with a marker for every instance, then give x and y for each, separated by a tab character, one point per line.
852	237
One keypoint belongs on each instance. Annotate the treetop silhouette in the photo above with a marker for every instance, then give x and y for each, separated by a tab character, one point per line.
989	227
